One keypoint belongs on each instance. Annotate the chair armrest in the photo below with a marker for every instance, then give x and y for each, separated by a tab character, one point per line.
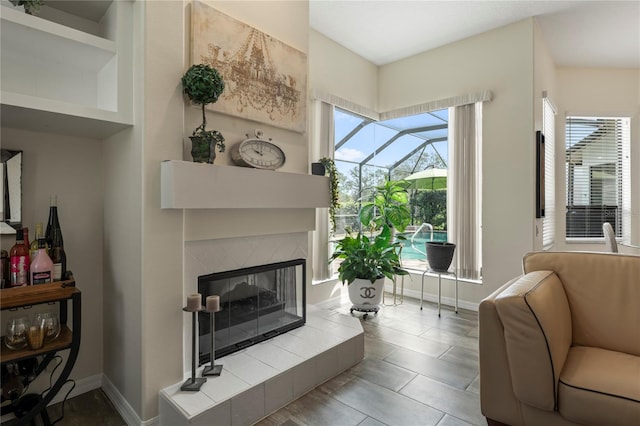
537	329
497	400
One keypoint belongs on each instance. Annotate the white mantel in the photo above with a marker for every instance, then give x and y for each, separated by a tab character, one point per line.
188	185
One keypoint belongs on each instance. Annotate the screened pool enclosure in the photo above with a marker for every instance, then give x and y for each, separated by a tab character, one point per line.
368	152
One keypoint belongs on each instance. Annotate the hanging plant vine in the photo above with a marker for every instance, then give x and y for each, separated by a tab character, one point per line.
332	172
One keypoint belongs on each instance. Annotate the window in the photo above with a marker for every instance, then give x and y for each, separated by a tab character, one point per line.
597	175
548	128
441	137
368	152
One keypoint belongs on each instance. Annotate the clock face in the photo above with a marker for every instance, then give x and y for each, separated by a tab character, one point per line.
261	154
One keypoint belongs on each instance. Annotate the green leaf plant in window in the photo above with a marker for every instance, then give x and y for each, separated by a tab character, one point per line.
203	85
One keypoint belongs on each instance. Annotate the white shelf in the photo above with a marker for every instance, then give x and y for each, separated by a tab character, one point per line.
188	185
60	79
47	115
44	37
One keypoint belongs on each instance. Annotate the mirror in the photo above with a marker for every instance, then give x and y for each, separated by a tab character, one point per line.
10	191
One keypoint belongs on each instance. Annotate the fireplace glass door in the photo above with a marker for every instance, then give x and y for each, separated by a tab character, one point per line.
255	304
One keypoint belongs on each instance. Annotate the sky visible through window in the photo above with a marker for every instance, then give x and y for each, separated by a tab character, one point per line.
407	135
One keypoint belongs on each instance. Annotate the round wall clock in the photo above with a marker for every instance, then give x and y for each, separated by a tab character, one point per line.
258	153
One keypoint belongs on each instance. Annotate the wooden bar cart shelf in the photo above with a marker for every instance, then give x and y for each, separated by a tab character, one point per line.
69	338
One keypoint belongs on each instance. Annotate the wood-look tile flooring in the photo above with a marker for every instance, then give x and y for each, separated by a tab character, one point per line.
418	370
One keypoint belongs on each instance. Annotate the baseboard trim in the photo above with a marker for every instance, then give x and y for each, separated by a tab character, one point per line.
429	297
82	386
125	410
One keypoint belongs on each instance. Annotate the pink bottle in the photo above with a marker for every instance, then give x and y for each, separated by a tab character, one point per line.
42	266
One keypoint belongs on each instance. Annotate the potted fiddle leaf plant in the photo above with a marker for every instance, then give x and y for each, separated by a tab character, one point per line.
388	205
203	85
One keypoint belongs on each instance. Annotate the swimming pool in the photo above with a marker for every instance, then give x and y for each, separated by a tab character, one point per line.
409	252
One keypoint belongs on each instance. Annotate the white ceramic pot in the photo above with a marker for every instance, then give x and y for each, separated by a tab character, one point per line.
366	295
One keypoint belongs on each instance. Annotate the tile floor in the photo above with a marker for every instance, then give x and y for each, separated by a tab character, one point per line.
418	370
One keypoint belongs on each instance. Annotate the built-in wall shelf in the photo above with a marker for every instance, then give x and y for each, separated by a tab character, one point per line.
64	72
188	185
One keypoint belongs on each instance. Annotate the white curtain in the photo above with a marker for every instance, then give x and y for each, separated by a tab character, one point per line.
322	143
465	188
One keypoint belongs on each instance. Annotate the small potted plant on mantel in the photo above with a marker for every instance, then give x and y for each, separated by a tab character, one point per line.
31	7
203	85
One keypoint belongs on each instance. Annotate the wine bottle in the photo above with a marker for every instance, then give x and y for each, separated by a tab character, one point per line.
41	270
25	235
53	222
58	256
19	261
33	249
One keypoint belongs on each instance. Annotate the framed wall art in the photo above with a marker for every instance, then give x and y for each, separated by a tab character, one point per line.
265	79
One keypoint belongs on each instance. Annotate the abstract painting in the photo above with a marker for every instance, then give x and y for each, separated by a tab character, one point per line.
265	79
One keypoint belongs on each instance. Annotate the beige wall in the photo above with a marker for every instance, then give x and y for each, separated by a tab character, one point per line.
338	71
72	168
501	61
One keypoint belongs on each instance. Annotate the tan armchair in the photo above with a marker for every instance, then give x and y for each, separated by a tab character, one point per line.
560	345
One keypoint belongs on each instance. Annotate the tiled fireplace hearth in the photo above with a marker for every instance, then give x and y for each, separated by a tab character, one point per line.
262	378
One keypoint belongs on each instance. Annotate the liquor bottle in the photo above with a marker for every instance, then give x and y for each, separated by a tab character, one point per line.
33	248
53	223
58	256
41	270
19	261
4	276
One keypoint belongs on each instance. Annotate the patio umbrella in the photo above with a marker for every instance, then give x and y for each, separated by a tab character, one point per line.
428	179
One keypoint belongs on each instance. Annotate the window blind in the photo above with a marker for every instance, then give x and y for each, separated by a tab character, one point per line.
548	128
597	175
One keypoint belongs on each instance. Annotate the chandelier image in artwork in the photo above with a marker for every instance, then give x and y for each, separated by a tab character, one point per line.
265	79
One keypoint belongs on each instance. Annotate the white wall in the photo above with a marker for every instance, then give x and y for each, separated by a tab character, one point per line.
72	168
593	92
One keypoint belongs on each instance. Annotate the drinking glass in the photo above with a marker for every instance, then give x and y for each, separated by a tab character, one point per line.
16	337
51	324
35	334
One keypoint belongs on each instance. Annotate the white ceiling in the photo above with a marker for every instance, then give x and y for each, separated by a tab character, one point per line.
578	33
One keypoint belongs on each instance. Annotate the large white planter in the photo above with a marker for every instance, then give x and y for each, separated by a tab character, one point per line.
365	295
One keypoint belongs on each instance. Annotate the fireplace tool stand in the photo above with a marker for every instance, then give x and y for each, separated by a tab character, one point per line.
193	383
213	369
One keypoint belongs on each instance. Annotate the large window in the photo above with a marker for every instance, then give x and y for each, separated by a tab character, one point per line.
597	175
369	152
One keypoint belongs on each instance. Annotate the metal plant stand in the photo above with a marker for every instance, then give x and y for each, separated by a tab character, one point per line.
440	274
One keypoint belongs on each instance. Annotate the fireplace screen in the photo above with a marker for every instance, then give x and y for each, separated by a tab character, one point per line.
255	304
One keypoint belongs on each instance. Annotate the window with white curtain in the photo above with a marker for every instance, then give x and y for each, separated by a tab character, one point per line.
548	129
597	175
370	147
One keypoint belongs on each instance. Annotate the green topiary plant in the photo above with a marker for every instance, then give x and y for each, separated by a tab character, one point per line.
203	85
32	7
330	169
